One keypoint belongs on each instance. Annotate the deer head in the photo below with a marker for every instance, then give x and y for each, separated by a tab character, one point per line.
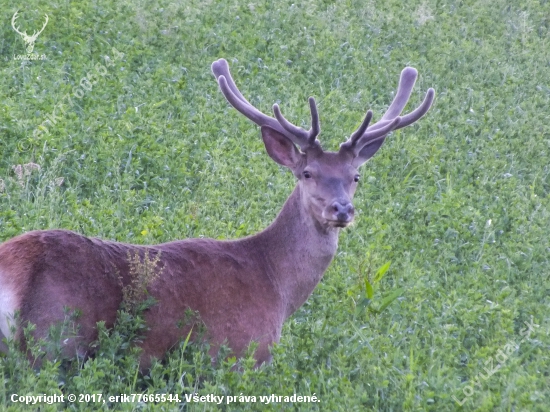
326	180
29	40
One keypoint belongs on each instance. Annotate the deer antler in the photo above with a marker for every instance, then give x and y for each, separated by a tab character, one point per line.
15	16
305	139
35	34
391	120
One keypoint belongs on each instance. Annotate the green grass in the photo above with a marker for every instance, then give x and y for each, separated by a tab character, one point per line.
458	203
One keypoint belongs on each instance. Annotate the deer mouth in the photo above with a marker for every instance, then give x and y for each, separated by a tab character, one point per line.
339	223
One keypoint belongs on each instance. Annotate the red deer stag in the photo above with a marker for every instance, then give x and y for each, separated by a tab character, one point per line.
243	290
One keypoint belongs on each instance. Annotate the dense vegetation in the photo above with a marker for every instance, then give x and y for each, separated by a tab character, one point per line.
151	152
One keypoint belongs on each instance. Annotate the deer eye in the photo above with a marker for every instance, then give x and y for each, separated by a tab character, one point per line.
307	174
356	178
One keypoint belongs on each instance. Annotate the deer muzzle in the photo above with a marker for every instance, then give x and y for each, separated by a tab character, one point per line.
340	213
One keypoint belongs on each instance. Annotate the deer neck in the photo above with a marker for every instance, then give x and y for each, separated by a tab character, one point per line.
297	250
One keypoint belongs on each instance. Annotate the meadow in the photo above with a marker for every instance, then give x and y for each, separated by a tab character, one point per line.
439	296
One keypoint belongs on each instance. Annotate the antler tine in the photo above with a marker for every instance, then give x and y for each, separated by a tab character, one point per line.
420	111
404	90
373	135
315	124
354	138
301	137
221	68
361	130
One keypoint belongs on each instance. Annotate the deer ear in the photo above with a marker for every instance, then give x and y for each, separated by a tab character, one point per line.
280	148
367	152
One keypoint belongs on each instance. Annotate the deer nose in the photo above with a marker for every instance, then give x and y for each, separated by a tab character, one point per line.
343	210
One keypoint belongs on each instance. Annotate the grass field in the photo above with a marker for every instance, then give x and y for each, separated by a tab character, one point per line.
151	152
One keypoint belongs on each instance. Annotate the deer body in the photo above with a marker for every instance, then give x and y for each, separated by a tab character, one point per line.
241	296
243	290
